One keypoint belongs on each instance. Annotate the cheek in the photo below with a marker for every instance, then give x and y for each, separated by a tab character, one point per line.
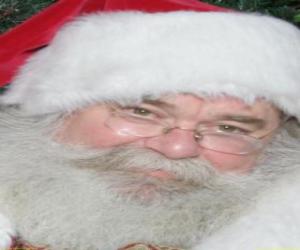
100	136
91	132
226	162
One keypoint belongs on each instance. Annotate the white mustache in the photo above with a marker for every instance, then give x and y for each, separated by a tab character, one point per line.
124	159
123	168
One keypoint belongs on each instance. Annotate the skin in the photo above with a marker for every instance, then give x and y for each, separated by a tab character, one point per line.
185	111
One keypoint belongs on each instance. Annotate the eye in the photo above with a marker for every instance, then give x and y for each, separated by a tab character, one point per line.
141	111
232	129
144	112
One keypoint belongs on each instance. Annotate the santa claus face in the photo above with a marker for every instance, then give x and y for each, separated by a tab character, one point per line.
223	131
149	168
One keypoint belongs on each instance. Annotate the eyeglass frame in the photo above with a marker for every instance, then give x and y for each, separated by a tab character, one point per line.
165	130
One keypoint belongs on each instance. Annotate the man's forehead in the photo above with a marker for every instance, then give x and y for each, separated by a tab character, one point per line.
172	100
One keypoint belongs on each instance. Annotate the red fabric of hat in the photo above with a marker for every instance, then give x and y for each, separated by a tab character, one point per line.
20	42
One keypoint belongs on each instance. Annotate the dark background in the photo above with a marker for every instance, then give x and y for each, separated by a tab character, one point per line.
14	12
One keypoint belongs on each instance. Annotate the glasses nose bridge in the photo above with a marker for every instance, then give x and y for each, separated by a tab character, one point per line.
197	136
196	132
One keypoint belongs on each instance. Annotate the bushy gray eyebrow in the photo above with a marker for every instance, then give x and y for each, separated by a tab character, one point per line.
159	103
257	122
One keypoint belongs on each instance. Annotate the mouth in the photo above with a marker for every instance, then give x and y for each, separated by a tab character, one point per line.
148	185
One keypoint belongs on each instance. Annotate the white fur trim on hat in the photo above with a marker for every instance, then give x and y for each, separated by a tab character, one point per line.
127	55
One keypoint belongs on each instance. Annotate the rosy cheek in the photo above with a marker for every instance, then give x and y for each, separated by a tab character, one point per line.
91	134
101	137
227	162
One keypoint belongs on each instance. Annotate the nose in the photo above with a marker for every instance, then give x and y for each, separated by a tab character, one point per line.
176	144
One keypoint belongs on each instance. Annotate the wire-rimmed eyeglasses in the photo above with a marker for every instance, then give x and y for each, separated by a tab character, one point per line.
218	137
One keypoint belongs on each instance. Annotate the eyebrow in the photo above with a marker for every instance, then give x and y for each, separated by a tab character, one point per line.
159	103
257	122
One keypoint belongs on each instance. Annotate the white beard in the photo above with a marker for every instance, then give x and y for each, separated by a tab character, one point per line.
274	222
74	198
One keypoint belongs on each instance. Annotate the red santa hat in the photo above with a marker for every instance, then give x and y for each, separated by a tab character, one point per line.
137	48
